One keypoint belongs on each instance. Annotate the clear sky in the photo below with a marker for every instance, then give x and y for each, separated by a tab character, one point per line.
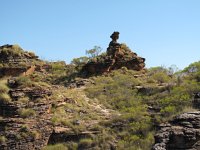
165	32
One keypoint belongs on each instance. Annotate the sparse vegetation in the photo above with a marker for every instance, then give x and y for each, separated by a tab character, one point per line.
23	100
85	143
94	52
2	139
4	96
119	90
3	88
25	132
24	113
117	110
15	51
55	147
23	81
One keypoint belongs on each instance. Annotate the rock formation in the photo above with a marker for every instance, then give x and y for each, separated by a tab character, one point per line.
116	57
182	133
15	61
25	132
25	124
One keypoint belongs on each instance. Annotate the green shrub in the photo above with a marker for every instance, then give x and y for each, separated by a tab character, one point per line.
32	54
23	100
85	143
161	77
25	132
24	113
168	110
24	81
24	128
3	88
72	145
192	68
4	97
2	139
15	51
55	147
117	91
17	137
59	68
35	134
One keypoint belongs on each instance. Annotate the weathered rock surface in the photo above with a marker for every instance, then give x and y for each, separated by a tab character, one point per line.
24	134
35	128
182	133
15	54
117	56
77	83
15	61
30	92
29	132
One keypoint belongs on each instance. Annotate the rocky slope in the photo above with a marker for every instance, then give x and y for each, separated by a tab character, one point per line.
15	61
25	121
35	113
183	133
44	103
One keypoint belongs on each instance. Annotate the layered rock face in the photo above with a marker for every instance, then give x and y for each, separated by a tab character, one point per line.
14	61
182	133
25	124
24	135
117	56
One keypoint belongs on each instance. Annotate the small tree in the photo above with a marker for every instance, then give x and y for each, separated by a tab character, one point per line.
80	61
172	70
94	52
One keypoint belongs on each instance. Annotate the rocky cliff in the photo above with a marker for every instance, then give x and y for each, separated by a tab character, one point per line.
15	61
183	133
35	113
25	121
48	103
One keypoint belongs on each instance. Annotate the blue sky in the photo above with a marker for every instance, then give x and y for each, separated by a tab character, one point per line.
165	32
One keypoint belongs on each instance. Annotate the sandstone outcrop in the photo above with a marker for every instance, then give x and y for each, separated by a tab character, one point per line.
117	56
15	61
182	133
25	125
23	133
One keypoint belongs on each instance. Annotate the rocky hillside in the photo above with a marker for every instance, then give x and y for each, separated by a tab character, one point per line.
49	105
183	132
15	61
36	111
